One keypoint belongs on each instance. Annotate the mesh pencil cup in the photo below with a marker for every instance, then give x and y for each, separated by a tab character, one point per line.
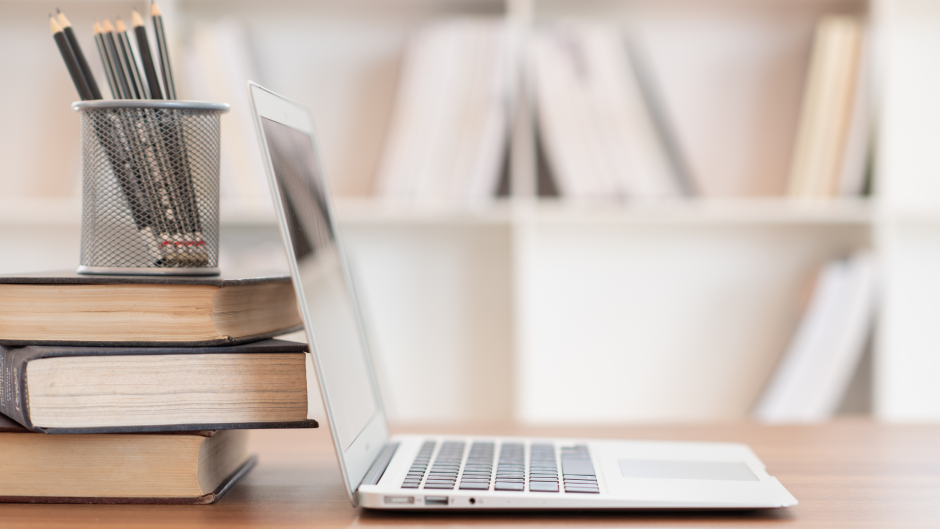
150	187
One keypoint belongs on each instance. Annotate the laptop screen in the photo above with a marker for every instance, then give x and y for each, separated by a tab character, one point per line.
333	324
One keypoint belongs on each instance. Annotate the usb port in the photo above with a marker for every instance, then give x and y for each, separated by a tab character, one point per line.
435	500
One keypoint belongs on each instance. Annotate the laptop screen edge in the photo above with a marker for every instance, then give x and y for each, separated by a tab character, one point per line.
355	460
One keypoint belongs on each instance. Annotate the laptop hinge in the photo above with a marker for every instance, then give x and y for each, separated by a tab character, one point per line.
377	470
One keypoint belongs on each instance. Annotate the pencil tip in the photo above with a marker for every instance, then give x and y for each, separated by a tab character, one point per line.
154	10
64	22
107	25
57	10
54	25
136	19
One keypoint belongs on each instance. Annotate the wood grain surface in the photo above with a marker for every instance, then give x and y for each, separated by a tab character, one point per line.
851	473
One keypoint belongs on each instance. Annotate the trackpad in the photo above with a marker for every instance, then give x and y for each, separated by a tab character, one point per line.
709	470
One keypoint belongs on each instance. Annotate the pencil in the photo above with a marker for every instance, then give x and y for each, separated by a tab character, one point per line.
143	46
119	73
84	93
79	56
133	72
163	51
106	61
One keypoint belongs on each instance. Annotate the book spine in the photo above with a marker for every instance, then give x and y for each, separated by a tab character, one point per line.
13	402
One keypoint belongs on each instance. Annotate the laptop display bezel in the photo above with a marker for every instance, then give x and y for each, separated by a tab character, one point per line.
356	460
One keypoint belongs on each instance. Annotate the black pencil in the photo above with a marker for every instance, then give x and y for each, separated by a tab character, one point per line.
84	93
119	73
143	46
79	56
106	61
130	63
163	51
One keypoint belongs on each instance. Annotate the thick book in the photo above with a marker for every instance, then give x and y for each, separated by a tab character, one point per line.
66	390
65	308
173	468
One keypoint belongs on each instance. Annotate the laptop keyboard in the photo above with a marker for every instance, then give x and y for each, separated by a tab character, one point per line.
450	470
419	467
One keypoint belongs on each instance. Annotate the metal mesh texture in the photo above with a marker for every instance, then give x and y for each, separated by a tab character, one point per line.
150	196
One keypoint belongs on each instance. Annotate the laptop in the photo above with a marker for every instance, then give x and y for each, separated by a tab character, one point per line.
459	472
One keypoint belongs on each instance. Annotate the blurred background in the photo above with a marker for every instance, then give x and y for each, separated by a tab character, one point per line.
567	211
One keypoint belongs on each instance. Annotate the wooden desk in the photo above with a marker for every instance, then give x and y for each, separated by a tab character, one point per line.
846	474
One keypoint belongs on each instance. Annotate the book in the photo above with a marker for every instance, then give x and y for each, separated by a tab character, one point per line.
64	390
182	468
65	308
605	130
816	370
830	154
448	135
217	62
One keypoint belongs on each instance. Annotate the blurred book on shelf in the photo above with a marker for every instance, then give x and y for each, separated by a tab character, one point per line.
449	132
603	129
217	66
830	158
814	373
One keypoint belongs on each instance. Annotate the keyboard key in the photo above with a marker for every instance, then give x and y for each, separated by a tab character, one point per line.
536	486
582	467
475	486
509	486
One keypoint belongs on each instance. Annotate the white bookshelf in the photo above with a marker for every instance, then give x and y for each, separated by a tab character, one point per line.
908	231
673	310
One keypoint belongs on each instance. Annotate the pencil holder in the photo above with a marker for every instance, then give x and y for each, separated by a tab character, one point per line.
150	187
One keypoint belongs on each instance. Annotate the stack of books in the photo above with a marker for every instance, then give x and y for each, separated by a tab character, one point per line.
137	389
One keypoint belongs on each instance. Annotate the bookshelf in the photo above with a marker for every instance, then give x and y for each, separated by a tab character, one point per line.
687	303
908	233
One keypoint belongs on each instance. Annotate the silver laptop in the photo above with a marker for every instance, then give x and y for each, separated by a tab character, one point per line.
460	472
